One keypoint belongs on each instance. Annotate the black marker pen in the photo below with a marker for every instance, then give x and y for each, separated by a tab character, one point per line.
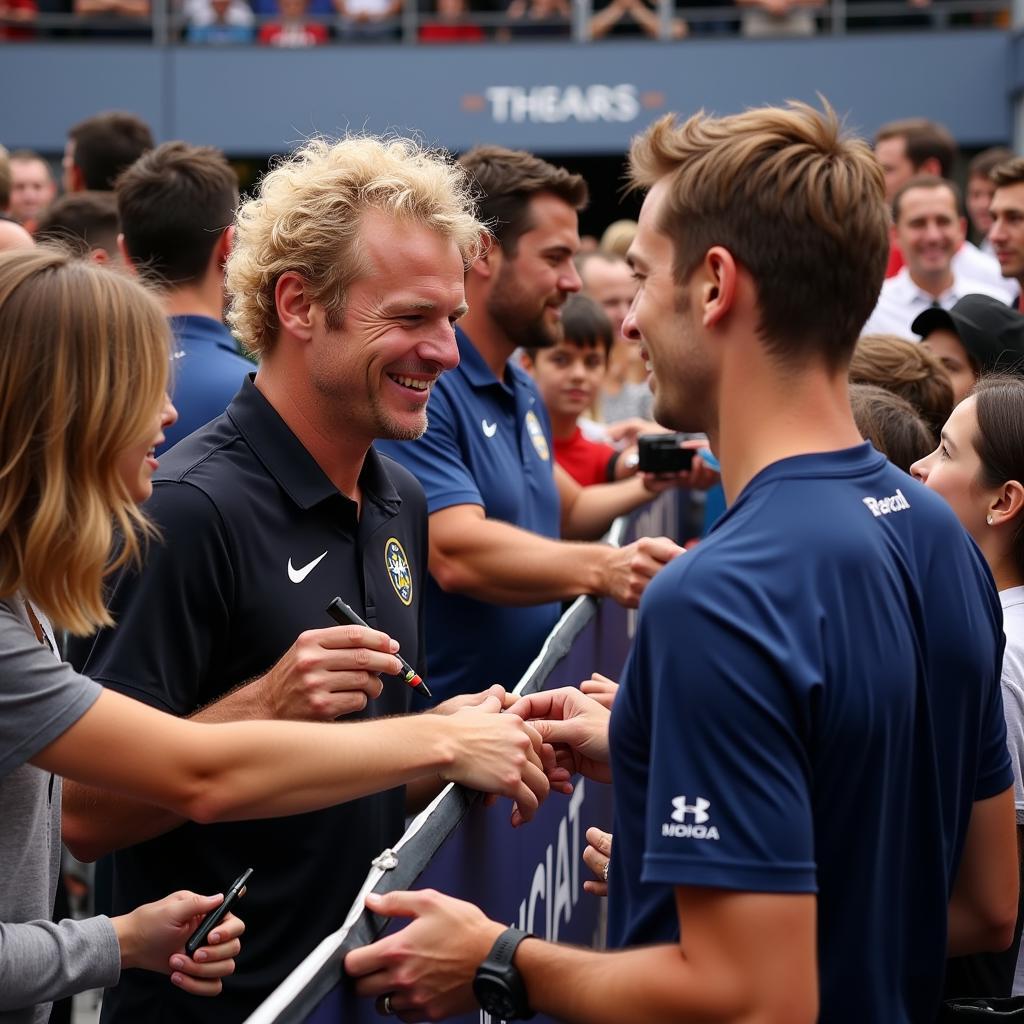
345	616
214	917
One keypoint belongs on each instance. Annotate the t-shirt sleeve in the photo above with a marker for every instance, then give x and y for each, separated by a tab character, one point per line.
1013	711
437	459
173	617
40	696
41	961
728	801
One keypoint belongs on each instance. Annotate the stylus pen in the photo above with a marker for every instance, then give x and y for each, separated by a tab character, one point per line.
214	917
345	616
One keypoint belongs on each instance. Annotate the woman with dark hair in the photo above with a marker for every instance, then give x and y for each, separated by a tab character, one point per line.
979	469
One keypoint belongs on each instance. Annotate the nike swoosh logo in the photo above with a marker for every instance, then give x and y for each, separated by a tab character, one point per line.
298	575
490	429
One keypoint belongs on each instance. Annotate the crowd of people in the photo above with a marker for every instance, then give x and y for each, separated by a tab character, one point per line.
425	397
303	23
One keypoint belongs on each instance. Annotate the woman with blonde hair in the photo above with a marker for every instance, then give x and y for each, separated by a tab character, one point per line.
83	375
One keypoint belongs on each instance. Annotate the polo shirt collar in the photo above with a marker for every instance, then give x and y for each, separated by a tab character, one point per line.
290	464
473	367
203	330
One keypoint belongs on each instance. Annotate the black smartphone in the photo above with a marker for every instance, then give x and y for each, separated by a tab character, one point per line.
214	917
660	453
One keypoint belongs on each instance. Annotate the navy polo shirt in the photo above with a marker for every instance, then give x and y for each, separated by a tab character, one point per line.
256	542
812	704
488	443
206	372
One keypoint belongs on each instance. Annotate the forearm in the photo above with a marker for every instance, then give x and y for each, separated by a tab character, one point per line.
595	508
648	20
652	984
224	772
494	561
41	962
97	821
602	22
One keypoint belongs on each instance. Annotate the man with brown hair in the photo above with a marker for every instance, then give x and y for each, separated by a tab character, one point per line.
916	146
498	502
99	148
1007	213
84	222
32	188
929	230
801	776
980	189
177	203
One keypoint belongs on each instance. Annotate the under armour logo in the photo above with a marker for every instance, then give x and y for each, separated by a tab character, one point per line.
699	810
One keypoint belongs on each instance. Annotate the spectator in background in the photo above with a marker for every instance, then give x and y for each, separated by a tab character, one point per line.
978	335
1007	212
631	18
219	22
99	148
113	17
907	369
569	377
450	25
914	147
980	189
84	222
32	187
617	237
929	231
368	20
13	236
533	18
177	204
892	425
625	393
17	18
293	29
763	18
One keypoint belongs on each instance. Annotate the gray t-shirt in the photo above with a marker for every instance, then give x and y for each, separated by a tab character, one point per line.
40	698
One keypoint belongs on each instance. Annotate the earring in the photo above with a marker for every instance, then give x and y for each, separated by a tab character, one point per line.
988	519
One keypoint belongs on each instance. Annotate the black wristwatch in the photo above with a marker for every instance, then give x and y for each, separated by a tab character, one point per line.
498	987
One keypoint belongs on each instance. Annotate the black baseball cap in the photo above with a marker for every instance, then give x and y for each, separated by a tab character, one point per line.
991	332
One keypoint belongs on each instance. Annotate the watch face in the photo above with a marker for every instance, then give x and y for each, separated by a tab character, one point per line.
493	996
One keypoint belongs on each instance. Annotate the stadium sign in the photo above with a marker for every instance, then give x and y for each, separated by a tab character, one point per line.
556	104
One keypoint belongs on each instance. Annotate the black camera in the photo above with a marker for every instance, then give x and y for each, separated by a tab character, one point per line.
661	453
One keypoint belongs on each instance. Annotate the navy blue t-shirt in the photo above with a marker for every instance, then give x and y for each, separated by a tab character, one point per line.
812	704
488	442
206	372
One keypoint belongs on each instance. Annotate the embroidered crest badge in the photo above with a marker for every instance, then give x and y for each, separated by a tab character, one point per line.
398	570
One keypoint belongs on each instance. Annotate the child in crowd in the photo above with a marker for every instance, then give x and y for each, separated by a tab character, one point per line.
892	425
569	378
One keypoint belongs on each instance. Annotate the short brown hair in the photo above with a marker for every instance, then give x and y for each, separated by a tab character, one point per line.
1010	172
507	179
796	202
928	181
987	161
175	202
81	222
106	144
891	424
924	139
909	370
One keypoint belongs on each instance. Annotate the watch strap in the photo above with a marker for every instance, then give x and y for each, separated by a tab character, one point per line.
506	944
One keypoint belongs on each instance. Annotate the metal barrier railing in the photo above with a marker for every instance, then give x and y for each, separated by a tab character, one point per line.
167	22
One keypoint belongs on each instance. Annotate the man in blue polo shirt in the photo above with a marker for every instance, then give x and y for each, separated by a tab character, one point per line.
176	205
813	796
346	278
498	502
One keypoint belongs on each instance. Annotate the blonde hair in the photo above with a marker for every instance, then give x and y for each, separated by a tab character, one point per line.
798	204
617	238
308	212
83	369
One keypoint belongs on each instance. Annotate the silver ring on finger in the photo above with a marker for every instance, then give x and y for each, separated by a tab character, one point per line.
604	870
387	1007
